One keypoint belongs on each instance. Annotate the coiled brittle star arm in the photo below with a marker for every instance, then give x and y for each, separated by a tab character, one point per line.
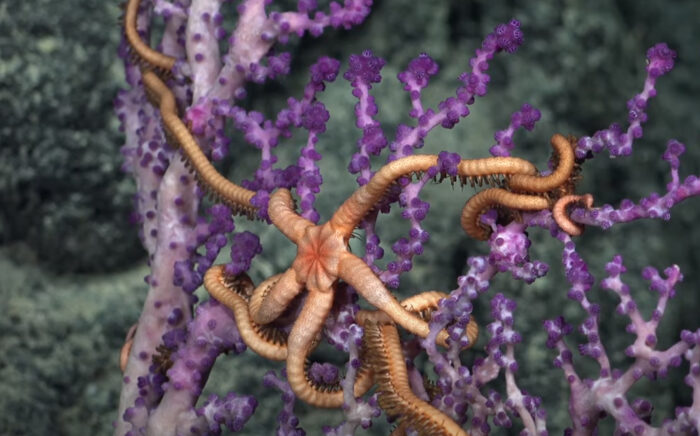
564	157
484	200
561	216
234	293
526	192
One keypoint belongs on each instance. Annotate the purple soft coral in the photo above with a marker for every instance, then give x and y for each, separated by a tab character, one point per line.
177	343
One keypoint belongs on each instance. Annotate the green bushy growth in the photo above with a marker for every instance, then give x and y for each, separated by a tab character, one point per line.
61	186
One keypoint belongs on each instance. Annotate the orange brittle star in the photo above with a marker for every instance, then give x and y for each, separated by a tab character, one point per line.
323	257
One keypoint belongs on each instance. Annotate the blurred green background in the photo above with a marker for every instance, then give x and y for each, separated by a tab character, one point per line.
71	266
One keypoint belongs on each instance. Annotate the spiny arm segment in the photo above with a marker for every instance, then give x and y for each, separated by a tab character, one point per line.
395	395
148	59
564	156
229	193
234	293
473	171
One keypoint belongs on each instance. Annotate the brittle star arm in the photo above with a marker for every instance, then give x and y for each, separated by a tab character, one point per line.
269	302
529	192
300	343
355	272
232	293
427	302
565	160
385	354
486	199
395	395
229	193
271	298
148	57
283	216
423	305
354	209
560	213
